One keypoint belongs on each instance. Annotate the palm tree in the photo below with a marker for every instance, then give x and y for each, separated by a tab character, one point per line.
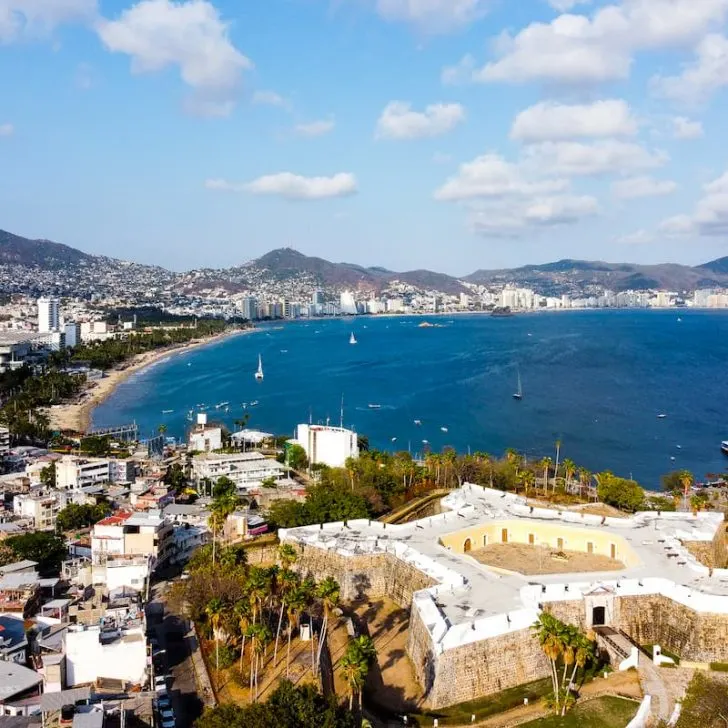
569	470
351	668
215	610
287	582
296	602
328	591
556	470
546	464
287	555
547	630
686	480
162	429
360	654
262	636
258	587
243	614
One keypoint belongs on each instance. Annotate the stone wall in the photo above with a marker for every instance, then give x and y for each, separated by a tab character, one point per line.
695	636
366	576
486	667
710	553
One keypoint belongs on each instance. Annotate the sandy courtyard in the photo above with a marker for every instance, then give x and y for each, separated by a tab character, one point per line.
533	560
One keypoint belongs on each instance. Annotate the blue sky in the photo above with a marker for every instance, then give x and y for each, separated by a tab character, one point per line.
447	134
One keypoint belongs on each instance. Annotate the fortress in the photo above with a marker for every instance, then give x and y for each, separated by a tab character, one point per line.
469	632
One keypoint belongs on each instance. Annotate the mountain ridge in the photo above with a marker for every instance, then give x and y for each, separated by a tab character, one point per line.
286	264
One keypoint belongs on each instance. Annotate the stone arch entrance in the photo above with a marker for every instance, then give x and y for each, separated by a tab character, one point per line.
467	546
599	616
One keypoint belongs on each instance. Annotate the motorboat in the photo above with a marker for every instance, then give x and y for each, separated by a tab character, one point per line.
724	447
259	372
352	338
375	406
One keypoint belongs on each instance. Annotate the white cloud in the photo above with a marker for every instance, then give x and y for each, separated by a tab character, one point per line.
576	49
636	187
6	130
683	128
159	33
19	18
640	237
433	16
606	156
490	176
518	216
566	5
269	98
551	121
710	216
315	128
460	73
292	186
398	121
700	78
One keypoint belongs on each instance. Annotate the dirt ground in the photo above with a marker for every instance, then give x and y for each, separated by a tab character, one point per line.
534	560
392	682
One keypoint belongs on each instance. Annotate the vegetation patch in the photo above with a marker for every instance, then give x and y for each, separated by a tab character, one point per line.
604	712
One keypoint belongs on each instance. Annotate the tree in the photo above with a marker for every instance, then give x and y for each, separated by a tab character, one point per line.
48	475
215	611
620	492
296	457
47	549
548	631
75	516
223	488
328	592
705	703
359	657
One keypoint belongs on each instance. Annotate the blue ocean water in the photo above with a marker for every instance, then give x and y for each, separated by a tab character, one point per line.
596	380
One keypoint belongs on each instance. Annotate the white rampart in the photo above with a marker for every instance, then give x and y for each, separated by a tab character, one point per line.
471	602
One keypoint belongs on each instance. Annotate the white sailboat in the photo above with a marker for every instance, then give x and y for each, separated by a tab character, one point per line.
259	373
352	338
519	394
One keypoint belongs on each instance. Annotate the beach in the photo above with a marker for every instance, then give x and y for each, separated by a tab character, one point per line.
76	415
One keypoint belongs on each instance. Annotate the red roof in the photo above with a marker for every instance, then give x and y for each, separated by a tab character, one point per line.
115	520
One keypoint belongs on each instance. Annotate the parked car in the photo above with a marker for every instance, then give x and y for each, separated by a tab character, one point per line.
166	714
168	724
160	683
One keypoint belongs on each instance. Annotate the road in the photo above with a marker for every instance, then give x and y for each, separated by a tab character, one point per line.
177	660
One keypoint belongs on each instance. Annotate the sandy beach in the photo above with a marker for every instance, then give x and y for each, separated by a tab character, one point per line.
76	415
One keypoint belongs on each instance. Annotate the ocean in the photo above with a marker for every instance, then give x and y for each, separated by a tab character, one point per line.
594	380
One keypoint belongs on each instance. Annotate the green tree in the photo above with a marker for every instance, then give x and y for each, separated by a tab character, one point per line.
620	492
48	475
328	592
47	549
223	488
296	457
215	611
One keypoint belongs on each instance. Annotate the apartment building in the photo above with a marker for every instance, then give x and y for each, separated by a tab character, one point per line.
73	472
247	470
41	506
127	535
4	441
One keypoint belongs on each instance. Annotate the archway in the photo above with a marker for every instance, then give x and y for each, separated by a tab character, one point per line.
467	545
599	616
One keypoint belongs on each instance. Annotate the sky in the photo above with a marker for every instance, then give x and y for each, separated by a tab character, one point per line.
444	134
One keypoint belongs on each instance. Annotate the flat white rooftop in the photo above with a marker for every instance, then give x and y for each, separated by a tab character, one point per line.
471	601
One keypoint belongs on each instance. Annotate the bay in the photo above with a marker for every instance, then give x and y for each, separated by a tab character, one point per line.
595	380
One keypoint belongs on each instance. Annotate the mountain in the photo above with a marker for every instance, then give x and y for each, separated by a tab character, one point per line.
569	276
15	250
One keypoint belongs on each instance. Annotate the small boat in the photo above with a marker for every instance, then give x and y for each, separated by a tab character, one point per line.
679	319
425	442
167	412
724	447
661	416
259	372
189	363
284	351
444	429
352	338
519	394
221	405
253	403
375	406
418	422
394	439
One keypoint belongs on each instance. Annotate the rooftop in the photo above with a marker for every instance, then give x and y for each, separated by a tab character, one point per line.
471	601
16	679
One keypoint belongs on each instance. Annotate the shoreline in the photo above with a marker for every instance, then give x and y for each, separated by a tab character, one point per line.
76	415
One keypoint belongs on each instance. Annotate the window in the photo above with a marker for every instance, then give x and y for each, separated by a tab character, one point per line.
467	545
589	547
504	535
613	551
531	539
560	544
485	540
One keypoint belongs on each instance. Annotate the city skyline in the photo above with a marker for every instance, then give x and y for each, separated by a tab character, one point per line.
203	135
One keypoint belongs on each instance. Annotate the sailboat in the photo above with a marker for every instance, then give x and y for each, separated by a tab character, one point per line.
259	373
352	338
519	394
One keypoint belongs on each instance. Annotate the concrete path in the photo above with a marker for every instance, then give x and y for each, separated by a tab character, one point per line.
653	685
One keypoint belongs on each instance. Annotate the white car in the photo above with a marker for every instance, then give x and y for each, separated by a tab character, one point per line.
163	702
166	715
160	684
168	724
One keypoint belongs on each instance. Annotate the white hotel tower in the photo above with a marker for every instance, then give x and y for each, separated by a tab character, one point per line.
49	320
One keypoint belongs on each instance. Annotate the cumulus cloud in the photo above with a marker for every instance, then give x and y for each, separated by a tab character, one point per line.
22	18
564	6
683	128
551	121
315	128
710	216
190	35
292	186
6	130
269	98
460	73
519	216
635	187
606	156
576	49
492	176
640	237
700	78
399	121
433	16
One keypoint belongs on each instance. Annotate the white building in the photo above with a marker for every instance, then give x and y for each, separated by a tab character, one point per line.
117	652
41	506
4	440
49	315
131	535
204	437
73	472
326	445
247	470
72	333
347	303
16	349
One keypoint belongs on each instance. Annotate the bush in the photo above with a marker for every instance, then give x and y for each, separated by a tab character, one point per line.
227	657
719	666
